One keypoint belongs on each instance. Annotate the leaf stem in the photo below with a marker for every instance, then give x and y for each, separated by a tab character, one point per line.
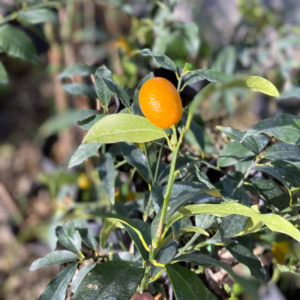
158	160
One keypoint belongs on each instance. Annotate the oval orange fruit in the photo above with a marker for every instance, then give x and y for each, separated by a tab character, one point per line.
160	102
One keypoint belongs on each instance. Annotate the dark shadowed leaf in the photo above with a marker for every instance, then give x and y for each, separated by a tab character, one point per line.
273	193
207	261
80	89
135	157
206	74
80	276
187	285
16	43
111	280
106	171
123	128
288	171
54	258
162	60
77	69
246	257
68	236
83	151
87	237
284	127
56	289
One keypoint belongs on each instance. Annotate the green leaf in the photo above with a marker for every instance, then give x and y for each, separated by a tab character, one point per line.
87	237
123	128
206	74
3	75
83	151
56	289
292	92
59	122
233	153
68	236
284	127
103	92
259	84
273	193
77	69
106	170
16	43
137	90
254	143
283	151
80	89
162	60
207	261
246	257
196	130
187	285
140	232
54	258
103	77
81	275
38	16
111	280
89	122
49	4
288	171
135	157
272	221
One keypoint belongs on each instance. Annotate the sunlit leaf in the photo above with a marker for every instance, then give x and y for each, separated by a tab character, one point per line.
259	84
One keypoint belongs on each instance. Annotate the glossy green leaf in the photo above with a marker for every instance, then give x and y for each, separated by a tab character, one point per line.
82	152
137	90
123	128
37	16
273	222
284	127
207	261
77	69
259	84
16	43
162	60
3	75
135	157
232	153
104	83
80	89
288	171
49	4
271	171
56	289
81	275
187	285
54	258
246	257
68	236
111	280
254	143
283	151
106	171
87	237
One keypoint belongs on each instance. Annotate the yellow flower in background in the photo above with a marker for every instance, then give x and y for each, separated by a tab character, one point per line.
122	43
279	250
83	181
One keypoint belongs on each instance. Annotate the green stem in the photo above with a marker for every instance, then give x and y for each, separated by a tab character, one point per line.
149	165
158	160
167	196
188	244
8	18
147	275
120	164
